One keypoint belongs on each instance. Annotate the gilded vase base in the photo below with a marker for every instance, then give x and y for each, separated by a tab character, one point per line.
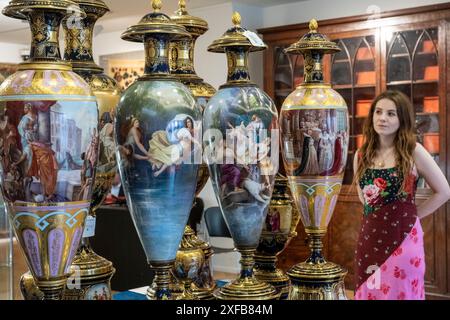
175	288
247	289
204	293
187	294
276	278
320	281
29	289
94	272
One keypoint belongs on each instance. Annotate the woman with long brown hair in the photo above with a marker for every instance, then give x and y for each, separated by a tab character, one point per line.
390	262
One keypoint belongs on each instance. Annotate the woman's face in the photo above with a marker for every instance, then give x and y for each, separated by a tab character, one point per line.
385	118
136	123
189	123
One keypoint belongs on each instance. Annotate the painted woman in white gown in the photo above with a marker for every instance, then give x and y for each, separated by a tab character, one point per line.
163	154
312	166
326	152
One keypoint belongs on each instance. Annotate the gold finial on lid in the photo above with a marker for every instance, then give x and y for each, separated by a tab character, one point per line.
182	5
236	19
157	5
313	25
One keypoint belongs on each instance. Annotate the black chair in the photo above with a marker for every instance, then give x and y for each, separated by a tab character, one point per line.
217	227
124	251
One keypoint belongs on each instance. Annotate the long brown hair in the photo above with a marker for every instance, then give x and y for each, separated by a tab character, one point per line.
404	142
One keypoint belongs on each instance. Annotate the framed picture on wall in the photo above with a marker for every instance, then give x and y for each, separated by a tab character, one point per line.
7	69
125	72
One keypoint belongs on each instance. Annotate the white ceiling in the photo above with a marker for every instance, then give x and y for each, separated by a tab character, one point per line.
123	14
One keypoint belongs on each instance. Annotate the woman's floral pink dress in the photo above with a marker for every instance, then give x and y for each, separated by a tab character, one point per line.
390	261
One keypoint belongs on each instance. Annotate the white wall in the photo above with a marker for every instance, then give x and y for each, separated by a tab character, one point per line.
10	52
212	67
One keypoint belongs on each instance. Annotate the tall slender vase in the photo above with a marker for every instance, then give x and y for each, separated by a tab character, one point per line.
278	231
157	133
241	145
315	174
50	148
95	271
181	56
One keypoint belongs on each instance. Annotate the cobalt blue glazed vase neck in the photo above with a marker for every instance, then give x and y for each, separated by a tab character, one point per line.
238	66
157	55
45	34
79	36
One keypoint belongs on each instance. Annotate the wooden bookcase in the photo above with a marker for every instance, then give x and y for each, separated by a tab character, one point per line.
407	50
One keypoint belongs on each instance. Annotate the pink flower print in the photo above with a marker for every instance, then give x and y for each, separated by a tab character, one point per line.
385	288
371	194
370	296
399	273
415	261
415	286
401	296
414	232
398	251
384	268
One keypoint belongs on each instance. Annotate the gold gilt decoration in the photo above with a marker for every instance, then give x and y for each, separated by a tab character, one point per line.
182	54
313	46
313	25
201	90
235	37
236	19
247	288
42	235
38	28
321	97
148	30
182	5
316	199
237	42
44	82
203	283
157	5
187	268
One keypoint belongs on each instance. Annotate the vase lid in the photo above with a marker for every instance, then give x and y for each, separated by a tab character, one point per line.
237	36
19	8
99	6
195	25
155	23
313	40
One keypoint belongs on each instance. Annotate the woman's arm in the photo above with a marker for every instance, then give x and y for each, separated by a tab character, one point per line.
139	157
355	169
433	175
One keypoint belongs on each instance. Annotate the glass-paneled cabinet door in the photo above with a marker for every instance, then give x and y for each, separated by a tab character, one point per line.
412	67
353	76
284	75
